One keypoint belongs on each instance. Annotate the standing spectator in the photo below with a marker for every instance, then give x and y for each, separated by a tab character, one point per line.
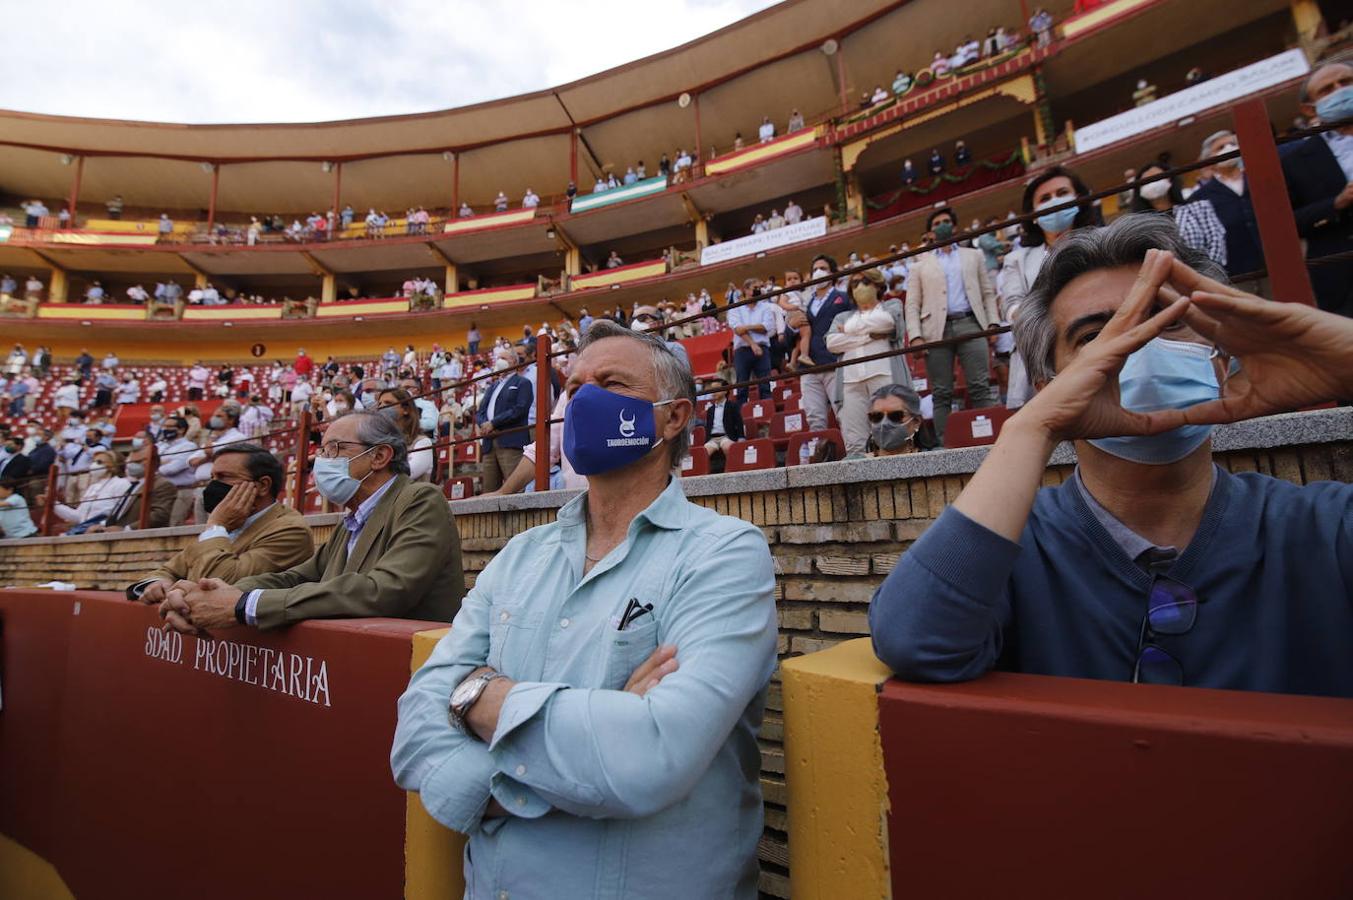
950	295
500	202
166	227
506	405
197	380
752	325
32	288
158	388
723	419
129	391
472	339
42	361
18	358
466	211
1040	23
225	379
256	418
114	207
42	454
823	302
936	162
614	261
530	201
631	176
795	121
793	213
766	133
34	211
1198	223
110	361
584	320
664	166
66	398
347	216
571	191
871	329
303	364
909	173
962	155
1319	174
8	286
94	294
104	384
1228	192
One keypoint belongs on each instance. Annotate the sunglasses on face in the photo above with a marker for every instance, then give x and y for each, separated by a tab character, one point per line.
896	416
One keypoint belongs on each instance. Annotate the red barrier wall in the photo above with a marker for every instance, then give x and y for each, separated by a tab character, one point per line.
707	350
142	765
1025	786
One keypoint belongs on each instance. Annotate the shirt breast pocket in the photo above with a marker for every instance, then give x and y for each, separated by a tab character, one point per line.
626	651
509	630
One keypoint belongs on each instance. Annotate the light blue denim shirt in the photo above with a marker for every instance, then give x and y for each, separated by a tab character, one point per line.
609	795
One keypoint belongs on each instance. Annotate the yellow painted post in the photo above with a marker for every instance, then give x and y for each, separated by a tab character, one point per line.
329	290
432	852
837	788
1307	18
701	233
58	287
452	280
25	874
573	261
200	279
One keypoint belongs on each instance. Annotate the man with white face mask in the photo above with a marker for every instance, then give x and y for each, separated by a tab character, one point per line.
647	318
821	304
1151	564
396	552
1228	192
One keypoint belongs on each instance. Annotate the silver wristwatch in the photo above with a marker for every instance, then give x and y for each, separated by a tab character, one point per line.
464	697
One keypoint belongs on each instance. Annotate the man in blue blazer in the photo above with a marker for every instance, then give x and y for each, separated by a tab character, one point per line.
506	405
1319	173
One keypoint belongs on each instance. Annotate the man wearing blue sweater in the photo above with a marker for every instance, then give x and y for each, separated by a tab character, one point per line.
1151	564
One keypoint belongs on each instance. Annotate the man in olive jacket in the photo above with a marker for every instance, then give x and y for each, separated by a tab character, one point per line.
395	554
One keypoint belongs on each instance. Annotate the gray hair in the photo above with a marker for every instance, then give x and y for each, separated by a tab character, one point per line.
910	399
1304	92
675	381
1207	141
373	429
1085	250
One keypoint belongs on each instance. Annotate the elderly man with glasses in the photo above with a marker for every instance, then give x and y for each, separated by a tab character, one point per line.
396	553
1150	564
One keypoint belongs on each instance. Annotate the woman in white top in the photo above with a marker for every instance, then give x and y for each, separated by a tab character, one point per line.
1022	265
106	488
397	403
874	327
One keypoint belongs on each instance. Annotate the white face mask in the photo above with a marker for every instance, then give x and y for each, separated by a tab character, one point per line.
1155	190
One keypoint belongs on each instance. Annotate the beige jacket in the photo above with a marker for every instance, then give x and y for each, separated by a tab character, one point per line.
274	541
928	295
405	564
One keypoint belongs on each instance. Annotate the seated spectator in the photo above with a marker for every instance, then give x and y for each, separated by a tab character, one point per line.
126	515
909	173
105	488
691	726
766	133
248	532
397	553
795	121
936	162
631	176
531	200
1151	564
664	166
723	419
614	261
775	221
939	64
500	202
875	326
901	83
14	464
15	520
896	424
962	155
640	171
397	405
466	211
1198	223
758	224
879	95
1144	94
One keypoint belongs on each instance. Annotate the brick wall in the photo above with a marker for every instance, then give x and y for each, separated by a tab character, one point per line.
835	530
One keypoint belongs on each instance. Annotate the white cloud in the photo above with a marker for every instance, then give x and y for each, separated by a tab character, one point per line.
311	60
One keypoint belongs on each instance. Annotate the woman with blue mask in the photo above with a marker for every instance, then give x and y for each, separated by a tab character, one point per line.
397	405
1150	563
1051	187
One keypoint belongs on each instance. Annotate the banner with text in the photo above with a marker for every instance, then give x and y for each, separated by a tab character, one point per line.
766	240
1214	92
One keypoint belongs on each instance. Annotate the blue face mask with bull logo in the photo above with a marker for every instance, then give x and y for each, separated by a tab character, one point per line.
604	431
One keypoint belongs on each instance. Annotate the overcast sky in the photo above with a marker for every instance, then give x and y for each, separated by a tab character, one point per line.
315	60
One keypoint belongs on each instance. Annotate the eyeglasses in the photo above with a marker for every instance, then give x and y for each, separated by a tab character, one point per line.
896	416
333	449
1171	609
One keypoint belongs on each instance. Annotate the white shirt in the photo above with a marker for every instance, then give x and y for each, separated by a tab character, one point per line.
301	392
68	395
174	465
128	391
766	131
98	499
753	314
793	214
229	436
197	377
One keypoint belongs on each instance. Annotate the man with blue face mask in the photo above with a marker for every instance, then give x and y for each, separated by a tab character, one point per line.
1151	564
1319	174
606	676
396	553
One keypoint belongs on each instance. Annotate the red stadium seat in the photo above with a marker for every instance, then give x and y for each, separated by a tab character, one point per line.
745	456
786	424
758	409
754	427
698	436
975	427
696	462
805	443
458	488
466	453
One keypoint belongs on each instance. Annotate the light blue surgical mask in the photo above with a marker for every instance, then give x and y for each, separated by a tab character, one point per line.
1059	221
333	481
1336	106
1164	375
